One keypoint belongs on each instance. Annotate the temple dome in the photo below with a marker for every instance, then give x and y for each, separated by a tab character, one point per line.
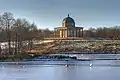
68	22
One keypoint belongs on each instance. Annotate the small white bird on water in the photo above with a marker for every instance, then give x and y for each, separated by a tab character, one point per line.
91	64
66	65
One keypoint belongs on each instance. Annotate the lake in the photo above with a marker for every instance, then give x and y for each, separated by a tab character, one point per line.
76	70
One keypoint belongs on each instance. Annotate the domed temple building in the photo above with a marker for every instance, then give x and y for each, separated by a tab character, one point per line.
68	29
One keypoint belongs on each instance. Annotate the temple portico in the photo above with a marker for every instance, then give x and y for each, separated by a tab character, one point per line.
70	32
68	29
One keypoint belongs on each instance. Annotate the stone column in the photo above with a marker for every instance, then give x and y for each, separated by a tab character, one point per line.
60	33
69	32
74	32
79	32
66	33
82	32
63	33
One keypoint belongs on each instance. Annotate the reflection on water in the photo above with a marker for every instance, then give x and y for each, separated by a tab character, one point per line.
61	72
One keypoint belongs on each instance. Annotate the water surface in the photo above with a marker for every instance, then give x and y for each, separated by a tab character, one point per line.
75	71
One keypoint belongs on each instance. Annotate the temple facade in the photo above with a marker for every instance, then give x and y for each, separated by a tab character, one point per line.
68	29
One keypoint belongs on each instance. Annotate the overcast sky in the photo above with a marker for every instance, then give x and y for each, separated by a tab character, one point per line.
50	13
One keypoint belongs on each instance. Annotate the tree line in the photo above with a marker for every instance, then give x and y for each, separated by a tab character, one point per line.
15	31
103	33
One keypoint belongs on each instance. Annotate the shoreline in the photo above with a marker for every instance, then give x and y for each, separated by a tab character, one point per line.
64	63
56	60
80	52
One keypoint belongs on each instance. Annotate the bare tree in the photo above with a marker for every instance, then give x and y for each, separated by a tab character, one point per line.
20	31
7	21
